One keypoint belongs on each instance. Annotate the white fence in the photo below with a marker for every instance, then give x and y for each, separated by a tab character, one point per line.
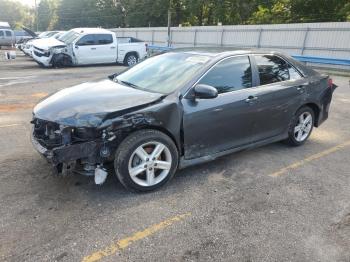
314	39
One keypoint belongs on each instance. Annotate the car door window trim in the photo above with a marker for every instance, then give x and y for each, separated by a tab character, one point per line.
257	69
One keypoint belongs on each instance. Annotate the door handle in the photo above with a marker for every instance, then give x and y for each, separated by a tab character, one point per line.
112	47
93	48
251	99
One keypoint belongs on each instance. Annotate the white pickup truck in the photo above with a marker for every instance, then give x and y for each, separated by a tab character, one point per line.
87	46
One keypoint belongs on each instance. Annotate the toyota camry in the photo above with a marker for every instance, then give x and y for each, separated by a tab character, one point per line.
179	109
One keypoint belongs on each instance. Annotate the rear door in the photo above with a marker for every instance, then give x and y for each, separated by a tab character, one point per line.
280	93
224	122
9	37
106	50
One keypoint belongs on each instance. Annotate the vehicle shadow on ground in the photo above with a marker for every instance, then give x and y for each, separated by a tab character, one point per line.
185	179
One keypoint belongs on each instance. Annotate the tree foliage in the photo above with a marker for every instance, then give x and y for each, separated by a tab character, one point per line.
66	14
15	13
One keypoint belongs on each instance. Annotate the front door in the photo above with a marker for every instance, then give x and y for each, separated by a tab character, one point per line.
218	124
85	50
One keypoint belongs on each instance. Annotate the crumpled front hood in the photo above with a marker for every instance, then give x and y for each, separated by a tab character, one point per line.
47	43
88	104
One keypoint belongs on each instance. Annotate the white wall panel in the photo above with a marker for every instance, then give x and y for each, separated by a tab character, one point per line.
322	39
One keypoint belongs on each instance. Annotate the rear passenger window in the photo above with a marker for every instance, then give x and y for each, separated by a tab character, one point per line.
232	74
273	69
104	39
1	33
8	33
87	40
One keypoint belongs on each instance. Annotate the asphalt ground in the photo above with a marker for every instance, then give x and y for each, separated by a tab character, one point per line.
274	203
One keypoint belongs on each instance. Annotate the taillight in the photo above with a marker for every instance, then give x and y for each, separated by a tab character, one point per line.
330	82
146	45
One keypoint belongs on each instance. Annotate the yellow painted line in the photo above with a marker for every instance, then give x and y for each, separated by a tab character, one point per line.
11	125
310	158
125	242
6	108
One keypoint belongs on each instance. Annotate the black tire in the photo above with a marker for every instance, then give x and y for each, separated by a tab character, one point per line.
292	141
126	150
61	60
132	56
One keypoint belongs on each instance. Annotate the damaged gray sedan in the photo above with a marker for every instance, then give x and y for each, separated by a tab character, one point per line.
179	109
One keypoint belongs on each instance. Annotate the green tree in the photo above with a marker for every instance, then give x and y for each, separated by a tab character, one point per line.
15	13
279	12
46	14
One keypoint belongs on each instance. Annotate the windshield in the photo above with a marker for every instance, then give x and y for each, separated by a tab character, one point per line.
59	35
164	73
49	34
43	34
69	37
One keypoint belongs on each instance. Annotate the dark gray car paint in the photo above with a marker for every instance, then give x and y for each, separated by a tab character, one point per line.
202	129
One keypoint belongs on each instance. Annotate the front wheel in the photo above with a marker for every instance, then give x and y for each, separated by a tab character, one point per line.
146	160
301	126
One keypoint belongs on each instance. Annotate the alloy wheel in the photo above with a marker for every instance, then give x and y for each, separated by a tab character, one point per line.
132	60
303	127
150	164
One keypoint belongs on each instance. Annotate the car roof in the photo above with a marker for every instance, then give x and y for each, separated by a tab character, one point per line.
221	51
86	30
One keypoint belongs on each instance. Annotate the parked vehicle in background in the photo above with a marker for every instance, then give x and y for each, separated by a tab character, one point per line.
28	47
87	46
45	41
7	37
22	35
179	109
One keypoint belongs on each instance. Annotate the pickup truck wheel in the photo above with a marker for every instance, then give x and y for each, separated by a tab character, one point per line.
146	160
60	60
301	126
131	60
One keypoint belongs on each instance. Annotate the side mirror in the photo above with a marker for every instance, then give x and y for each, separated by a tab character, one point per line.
205	91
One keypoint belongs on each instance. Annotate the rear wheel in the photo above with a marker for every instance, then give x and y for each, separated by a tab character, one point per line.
131	59
301	126
146	160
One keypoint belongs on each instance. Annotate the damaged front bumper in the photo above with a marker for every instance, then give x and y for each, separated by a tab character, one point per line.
41	59
65	158
67	153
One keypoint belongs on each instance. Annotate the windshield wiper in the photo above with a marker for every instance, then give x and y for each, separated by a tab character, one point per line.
129	84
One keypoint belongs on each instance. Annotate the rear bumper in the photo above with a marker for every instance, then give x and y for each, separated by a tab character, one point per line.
326	101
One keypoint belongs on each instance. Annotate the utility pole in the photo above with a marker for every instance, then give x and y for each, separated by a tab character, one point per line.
36	16
169	24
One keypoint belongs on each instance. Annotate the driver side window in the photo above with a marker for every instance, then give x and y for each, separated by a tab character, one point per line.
87	40
229	75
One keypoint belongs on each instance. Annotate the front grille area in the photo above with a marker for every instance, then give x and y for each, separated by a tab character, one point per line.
41	54
39	49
